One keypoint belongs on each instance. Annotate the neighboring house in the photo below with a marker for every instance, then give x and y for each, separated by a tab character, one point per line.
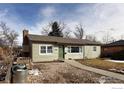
49	48
115	48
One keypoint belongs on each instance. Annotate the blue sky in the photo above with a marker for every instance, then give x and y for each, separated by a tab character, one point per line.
96	18
29	13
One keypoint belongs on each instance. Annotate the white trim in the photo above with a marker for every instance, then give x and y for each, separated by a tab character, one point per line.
46	45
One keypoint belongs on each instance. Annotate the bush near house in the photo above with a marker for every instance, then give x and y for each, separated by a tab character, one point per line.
118	55
115	56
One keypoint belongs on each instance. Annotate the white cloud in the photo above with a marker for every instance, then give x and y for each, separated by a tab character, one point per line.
112	17
48	11
3	13
95	18
47	14
103	17
13	22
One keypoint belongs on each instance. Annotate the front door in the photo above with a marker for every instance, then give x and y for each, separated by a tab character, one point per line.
61	52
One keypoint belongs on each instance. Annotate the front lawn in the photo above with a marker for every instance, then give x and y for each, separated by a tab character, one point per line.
102	64
61	72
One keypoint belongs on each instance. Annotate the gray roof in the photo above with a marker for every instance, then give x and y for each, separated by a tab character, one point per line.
116	43
61	40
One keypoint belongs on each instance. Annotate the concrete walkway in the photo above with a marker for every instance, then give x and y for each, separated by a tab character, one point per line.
95	70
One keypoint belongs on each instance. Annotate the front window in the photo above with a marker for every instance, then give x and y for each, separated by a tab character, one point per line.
49	49
46	49
43	49
74	49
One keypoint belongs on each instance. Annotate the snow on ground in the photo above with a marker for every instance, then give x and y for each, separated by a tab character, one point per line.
116	61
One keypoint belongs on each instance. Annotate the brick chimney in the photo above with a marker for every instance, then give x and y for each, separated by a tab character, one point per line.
25	33
25	37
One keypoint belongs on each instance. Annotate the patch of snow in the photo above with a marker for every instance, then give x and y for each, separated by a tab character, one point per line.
102	79
30	72
34	72
112	69
116	61
122	71
117	70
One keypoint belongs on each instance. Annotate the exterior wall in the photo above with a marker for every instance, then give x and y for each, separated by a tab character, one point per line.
37	57
106	51
89	53
73	55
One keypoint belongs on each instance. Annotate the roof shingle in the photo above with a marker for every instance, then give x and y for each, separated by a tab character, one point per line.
61	40
116	43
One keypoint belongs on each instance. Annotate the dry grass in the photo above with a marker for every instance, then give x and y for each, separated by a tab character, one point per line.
102	64
65	73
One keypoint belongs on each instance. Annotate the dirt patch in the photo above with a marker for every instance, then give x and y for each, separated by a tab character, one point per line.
65	73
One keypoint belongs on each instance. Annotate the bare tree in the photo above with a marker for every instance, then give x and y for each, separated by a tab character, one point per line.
79	31
46	30
107	38
91	37
122	37
9	36
67	33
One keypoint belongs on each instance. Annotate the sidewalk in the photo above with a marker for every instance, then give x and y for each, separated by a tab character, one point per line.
95	70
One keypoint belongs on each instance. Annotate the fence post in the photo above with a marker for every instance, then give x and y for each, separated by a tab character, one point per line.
9	75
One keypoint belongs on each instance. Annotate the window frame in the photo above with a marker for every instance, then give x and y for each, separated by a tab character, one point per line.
49	49
94	48
70	49
43	49
46	53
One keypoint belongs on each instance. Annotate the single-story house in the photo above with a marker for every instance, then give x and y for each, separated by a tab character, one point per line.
50	48
114	49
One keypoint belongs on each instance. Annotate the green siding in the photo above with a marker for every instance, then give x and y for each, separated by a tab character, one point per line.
37	57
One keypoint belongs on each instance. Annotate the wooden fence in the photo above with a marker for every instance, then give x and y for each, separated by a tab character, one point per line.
8	74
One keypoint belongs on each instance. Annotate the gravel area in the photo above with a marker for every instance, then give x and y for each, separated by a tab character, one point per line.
60	72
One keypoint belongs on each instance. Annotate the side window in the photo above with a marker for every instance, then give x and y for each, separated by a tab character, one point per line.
49	49
74	49
42	49
94	48
46	49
